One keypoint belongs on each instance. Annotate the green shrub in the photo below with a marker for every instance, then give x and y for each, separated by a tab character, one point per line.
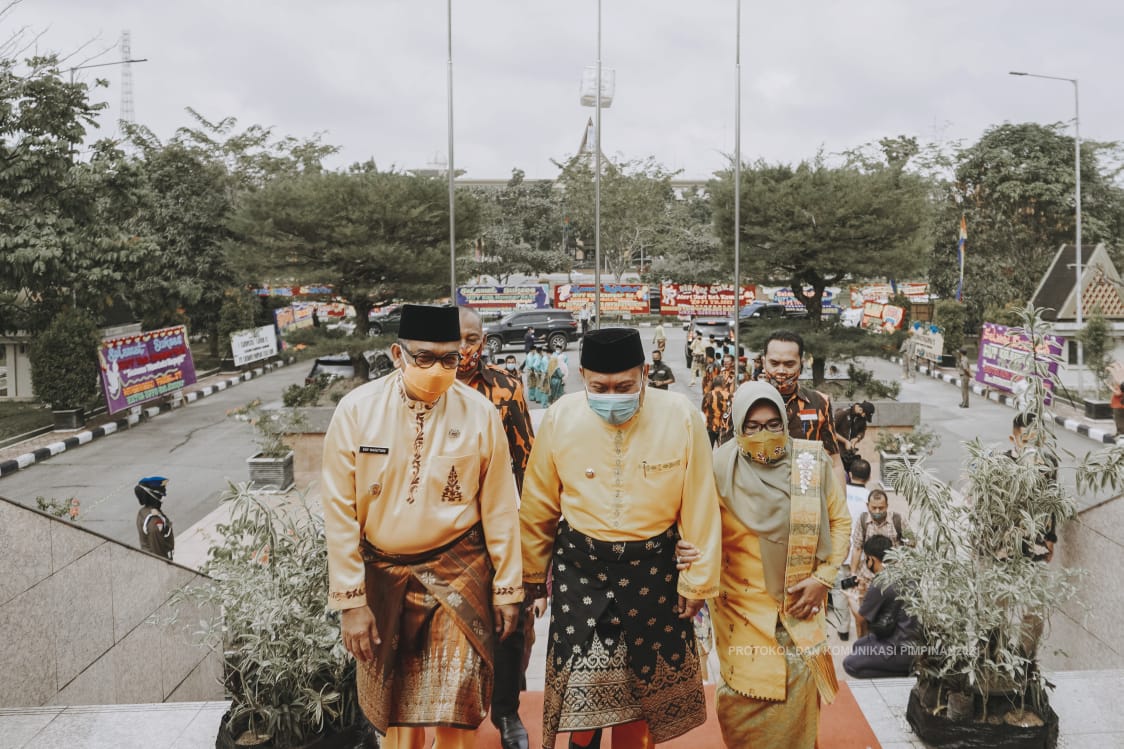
288	674
950	316
297	395
238	312
860	380
1096	340
64	361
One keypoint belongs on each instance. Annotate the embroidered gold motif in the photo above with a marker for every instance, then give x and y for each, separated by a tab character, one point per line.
347	595
452	491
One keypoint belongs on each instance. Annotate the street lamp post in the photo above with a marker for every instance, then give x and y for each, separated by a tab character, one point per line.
737	190
597	188
103	65
1077	206
452	169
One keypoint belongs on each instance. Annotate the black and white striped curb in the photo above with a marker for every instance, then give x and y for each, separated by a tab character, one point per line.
8	467
1104	436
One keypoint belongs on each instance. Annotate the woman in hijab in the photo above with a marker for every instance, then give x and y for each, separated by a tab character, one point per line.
785	531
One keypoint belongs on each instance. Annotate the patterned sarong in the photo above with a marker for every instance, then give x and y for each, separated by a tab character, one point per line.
434	615
618	652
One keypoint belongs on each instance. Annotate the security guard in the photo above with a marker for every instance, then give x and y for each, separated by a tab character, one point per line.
153	526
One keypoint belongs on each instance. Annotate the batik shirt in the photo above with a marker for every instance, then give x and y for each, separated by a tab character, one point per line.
505	391
409	478
716	406
623	483
809	418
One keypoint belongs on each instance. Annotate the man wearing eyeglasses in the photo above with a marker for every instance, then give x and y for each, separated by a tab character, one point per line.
422	527
785	528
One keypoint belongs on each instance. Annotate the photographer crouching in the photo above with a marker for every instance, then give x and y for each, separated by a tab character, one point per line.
888	648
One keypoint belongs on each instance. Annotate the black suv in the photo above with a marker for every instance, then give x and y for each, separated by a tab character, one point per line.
554	327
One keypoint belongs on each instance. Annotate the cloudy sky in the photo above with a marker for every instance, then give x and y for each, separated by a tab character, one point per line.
372	75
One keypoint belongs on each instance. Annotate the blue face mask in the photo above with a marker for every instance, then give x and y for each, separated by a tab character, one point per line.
615	408
511	366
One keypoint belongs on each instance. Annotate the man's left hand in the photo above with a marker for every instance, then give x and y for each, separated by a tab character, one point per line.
507	616
807	598
688	607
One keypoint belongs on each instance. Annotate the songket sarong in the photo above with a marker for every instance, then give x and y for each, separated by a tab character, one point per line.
434	615
618	652
793	723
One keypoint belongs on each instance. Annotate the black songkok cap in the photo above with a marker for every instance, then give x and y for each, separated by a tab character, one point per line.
612	350
421	322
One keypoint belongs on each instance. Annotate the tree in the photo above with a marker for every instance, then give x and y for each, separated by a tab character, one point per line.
197	179
815	225
64	363
69	230
1015	188
374	236
951	315
1096	340
635	197
685	247
521	230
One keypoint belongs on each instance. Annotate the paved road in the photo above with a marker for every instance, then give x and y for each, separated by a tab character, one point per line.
198	447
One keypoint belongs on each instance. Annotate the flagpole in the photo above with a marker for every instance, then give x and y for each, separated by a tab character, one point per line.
961	250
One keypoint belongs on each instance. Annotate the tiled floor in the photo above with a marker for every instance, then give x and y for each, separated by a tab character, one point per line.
1086	702
174	725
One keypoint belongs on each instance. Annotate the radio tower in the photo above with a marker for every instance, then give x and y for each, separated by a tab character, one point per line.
126	114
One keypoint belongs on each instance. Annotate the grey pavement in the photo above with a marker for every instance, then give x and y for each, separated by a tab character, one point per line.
198	447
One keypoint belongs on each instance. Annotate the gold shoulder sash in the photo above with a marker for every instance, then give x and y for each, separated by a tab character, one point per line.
809	635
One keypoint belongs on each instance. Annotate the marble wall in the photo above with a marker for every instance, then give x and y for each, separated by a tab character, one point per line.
1086	635
87	620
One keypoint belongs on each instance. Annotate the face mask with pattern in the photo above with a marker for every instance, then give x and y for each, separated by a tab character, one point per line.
785	384
470	359
764	447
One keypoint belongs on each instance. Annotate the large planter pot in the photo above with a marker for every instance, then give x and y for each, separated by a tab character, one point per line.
1097	409
888	459
274	474
998	732
359	736
69	418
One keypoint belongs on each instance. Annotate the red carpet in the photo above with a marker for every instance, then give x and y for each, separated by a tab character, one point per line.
842	726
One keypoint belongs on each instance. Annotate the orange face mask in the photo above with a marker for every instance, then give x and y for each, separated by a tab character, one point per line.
427	384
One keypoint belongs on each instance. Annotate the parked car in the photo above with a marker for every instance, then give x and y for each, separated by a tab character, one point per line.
763	310
387	321
555	328
707	326
339	366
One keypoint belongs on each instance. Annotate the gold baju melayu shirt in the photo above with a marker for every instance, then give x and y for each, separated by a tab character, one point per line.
623	483
410	477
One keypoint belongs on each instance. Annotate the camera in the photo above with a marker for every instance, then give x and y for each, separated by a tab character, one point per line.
849	582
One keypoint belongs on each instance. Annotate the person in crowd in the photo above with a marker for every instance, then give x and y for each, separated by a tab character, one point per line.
154	528
534	379
808	411
660	337
876	520
422	529
851	423
716	406
784	534
698	358
528	341
857	493
711	370
660	375
907	351
964	370
504	389
758	367
888	649
618	473
557	371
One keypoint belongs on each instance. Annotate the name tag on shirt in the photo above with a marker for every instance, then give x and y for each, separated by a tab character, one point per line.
809	415
367	449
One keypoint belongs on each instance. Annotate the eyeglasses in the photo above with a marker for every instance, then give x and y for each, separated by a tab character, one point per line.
773	425
426	359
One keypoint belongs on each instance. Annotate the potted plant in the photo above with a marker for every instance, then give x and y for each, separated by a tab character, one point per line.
64	367
290	680
900	448
271	468
980	596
